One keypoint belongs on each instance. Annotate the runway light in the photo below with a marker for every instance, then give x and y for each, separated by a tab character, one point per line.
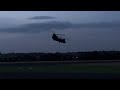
30	68
76	57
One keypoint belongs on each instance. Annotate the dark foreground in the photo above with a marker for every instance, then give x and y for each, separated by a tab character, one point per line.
61	70
58	76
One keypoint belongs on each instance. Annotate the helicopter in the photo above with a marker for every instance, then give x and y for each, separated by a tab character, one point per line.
56	37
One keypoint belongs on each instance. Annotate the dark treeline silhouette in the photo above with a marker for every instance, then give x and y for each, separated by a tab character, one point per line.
70	56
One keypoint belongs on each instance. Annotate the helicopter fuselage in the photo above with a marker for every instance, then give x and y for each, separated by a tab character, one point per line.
55	37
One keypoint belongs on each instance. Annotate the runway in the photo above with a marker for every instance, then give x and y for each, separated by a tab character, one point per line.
81	62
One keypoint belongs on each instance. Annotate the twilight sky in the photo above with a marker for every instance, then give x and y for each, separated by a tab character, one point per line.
31	31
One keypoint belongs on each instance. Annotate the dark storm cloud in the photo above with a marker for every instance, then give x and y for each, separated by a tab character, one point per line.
42	17
38	27
58	25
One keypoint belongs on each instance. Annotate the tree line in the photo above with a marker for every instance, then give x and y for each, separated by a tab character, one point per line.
94	55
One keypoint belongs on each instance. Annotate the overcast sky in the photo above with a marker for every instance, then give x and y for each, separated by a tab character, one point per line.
31	31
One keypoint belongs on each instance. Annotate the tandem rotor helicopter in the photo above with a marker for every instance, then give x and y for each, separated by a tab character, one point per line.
58	38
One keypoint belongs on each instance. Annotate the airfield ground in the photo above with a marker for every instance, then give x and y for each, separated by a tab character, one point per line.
62	68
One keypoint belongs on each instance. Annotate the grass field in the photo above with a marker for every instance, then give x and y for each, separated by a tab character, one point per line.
64	68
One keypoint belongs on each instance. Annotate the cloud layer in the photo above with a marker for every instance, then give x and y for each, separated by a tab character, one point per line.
42	17
58	25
